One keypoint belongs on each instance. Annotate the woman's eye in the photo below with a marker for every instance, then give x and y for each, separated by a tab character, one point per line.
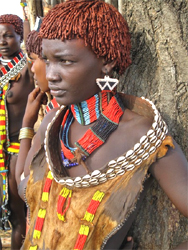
8	36
46	60
66	61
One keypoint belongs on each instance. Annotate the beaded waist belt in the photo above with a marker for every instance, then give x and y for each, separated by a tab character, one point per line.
5	213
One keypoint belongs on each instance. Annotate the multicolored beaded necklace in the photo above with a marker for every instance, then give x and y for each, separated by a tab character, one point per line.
4	62
51	105
105	109
12	68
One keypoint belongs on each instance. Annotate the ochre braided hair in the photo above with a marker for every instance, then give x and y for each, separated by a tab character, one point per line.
34	43
16	21
100	24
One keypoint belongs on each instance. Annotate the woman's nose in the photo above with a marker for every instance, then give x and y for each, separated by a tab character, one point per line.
2	41
51	73
32	66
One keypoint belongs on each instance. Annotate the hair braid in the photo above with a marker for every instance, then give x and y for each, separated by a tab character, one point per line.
34	43
100	24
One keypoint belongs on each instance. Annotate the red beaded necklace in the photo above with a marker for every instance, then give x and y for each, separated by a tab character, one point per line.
96	135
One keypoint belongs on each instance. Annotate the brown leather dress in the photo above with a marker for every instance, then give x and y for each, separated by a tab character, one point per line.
120	181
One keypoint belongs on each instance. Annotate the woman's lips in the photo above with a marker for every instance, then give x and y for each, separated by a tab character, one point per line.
4	49
36	82
57	92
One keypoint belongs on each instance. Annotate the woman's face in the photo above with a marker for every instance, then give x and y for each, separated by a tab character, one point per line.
39	70
71	70
9	41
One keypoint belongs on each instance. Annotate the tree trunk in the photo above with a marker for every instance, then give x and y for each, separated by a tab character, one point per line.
159	71
32	12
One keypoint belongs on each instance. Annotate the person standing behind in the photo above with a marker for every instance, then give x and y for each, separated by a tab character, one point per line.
38	68
39	101
16	83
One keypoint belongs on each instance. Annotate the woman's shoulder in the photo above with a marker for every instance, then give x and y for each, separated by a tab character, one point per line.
27	74
139	124
40	135
140	116
48	117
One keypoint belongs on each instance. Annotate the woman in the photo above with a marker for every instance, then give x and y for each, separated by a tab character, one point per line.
34	52
15	85
41	94
90	160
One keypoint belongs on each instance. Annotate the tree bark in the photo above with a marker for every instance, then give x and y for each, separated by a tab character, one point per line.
159	71
32	12
39	8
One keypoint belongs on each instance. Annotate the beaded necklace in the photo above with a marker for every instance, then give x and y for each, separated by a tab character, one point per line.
12	68
107	115
89	111
4	62
52	104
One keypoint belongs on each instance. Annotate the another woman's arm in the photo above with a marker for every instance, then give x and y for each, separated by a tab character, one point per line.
30	117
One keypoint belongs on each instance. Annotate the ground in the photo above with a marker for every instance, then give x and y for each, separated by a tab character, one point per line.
6	239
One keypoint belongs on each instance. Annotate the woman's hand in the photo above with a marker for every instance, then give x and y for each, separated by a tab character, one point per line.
22	186
35	99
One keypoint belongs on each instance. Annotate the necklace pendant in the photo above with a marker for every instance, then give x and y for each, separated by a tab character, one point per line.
16	78
66	163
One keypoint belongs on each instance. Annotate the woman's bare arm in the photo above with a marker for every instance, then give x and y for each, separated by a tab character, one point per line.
171	172
30	117
28	154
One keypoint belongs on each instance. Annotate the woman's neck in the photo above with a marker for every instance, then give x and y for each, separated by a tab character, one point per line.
89	111
10	57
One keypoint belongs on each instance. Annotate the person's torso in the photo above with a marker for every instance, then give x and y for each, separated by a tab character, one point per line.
118	177
16	100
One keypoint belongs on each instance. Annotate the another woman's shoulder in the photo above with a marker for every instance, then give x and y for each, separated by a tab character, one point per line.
46	120
49	116
27	76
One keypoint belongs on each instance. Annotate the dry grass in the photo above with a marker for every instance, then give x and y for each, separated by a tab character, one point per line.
5	239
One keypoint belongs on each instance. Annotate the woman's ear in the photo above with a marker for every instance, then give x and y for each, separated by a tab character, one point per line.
108	67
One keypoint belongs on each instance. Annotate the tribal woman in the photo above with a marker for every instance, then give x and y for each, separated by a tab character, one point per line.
15	85
34	51
93	159
40	95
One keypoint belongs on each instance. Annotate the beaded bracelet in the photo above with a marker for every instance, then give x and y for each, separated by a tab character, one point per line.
26	133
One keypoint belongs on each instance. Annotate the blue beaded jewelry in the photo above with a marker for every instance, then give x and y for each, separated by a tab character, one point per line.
85	113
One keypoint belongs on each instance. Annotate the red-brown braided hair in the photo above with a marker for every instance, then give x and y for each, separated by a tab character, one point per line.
34	43
100	24
16	21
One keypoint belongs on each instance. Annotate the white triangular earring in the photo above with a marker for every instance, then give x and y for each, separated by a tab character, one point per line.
107	83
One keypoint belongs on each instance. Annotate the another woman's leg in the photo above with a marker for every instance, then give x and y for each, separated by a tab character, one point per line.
17	207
